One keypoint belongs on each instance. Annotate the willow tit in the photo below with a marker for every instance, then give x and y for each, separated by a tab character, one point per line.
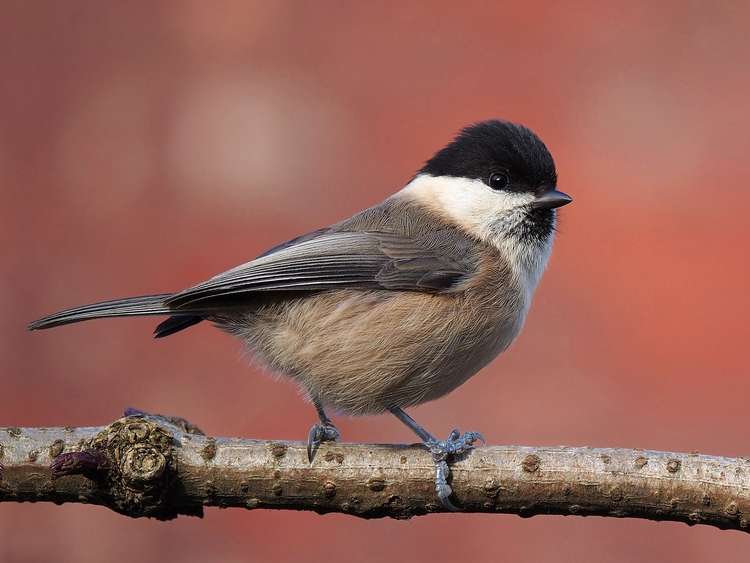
399	304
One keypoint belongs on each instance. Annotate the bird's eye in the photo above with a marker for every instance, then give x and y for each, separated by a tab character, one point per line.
498	180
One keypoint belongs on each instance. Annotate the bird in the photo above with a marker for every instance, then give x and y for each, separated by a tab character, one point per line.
398	304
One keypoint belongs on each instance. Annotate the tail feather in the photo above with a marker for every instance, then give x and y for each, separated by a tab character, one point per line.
176	324
131	306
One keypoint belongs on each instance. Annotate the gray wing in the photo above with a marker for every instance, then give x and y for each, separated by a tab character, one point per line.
330	260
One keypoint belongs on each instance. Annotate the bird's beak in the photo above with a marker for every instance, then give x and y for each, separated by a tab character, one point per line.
551	199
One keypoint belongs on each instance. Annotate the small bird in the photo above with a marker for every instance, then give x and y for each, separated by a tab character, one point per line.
400	303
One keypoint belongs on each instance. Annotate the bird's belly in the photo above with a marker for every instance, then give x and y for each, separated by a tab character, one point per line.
362	352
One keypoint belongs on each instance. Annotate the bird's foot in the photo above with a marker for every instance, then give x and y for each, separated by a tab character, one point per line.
442	451
319	433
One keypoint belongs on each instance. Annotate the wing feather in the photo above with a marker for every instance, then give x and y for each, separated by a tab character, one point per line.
330	260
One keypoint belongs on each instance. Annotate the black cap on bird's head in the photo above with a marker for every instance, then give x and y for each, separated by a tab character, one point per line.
506	156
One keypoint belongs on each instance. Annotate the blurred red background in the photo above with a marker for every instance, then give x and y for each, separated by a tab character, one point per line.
146	146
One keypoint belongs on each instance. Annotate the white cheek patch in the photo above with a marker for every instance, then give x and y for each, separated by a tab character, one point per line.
471	204
489	215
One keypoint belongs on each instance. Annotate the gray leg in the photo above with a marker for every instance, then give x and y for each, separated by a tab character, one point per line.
319	433
441	450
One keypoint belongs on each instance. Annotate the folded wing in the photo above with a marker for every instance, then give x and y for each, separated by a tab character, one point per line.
330	260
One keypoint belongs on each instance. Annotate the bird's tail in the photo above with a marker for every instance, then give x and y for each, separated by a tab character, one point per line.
131	306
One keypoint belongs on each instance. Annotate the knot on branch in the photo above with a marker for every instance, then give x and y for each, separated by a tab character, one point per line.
134	462
141	466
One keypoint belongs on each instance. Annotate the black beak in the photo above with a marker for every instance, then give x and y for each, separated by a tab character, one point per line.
551	199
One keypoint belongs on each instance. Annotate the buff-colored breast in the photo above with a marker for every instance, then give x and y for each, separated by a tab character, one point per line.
362	352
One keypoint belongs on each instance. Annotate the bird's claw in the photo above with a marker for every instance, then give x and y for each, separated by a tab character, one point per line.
442	451
320	433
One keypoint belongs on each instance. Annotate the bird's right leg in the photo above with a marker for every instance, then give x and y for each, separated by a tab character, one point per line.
325	431
442	451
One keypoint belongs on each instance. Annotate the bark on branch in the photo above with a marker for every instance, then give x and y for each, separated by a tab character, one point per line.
144	465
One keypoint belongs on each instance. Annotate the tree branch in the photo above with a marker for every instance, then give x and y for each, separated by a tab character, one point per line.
145	465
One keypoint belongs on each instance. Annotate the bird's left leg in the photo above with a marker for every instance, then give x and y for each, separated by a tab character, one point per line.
319	433
441	451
